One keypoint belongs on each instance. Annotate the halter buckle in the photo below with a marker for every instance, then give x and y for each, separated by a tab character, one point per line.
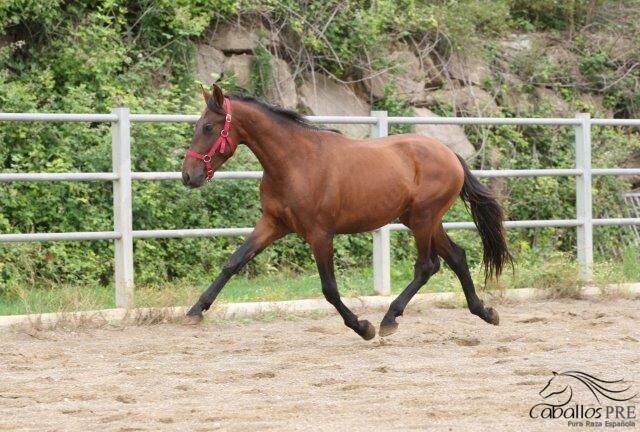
228	118
206	158
224	133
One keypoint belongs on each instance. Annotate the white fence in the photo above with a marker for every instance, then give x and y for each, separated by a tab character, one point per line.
122	176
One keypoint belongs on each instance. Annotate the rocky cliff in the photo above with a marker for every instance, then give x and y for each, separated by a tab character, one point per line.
519	74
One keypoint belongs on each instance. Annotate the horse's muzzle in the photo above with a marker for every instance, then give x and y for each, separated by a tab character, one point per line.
192	182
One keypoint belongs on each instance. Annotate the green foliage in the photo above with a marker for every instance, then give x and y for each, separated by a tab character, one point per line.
261	70
89	56
612	76
349	38
395	106
552	14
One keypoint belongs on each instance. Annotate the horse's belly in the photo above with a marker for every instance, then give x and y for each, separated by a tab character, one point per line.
369	208
361	226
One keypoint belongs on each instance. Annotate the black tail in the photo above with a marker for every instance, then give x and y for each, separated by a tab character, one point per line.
487	215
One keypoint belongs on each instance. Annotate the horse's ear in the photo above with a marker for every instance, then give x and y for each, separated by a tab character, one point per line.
205	93
218	95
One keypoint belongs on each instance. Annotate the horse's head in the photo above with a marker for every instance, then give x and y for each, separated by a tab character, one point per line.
555	387
213	140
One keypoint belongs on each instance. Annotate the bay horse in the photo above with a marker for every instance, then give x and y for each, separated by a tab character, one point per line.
318	183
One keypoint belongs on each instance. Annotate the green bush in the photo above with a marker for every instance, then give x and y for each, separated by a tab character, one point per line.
90	56
553	14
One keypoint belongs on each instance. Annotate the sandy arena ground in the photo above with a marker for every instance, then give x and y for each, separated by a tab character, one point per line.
443	370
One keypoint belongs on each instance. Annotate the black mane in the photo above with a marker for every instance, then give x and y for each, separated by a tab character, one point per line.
278	113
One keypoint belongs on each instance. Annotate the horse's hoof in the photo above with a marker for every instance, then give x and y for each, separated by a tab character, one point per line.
193	319
369	332
492	316
194	316
388	329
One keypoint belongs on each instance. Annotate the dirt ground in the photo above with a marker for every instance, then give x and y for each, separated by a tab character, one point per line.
443	370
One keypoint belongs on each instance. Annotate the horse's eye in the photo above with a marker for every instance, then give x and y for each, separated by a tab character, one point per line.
208	127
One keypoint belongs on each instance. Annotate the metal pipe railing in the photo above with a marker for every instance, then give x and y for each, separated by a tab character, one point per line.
256	175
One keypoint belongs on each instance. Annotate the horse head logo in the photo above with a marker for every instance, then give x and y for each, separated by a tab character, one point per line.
560	388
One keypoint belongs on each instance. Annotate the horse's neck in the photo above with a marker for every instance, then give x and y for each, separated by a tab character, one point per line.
277	147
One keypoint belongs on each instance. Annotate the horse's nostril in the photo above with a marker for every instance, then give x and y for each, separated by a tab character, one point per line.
185	179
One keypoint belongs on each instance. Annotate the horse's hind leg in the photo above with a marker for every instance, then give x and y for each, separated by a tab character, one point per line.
426	265
456	259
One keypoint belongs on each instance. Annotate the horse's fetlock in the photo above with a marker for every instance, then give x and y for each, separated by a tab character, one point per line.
477	309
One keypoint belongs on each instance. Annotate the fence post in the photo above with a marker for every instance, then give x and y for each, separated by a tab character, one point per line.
122	208
584	199
381	244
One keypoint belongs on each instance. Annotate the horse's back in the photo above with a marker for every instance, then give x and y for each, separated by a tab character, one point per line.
437	172
430	156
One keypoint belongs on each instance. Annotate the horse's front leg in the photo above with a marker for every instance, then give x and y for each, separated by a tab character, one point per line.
322	246
267	231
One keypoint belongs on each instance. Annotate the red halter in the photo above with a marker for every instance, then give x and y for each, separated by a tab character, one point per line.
219	144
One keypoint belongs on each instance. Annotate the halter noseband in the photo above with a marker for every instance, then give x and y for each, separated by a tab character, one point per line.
219	144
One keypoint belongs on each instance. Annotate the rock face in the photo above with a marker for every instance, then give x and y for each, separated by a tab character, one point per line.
468	101
240	66
557	105
563	59
321	96
594	103
514	45
405	74
282	90
633	162
468	70
209	63
464	82
619	47
515	96
412	76
452	136
237	39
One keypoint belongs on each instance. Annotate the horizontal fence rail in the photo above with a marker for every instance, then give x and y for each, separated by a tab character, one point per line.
489	121
55	117
122	176
255	175
39	237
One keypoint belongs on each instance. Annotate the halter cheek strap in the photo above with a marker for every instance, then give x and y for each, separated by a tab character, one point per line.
219	144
